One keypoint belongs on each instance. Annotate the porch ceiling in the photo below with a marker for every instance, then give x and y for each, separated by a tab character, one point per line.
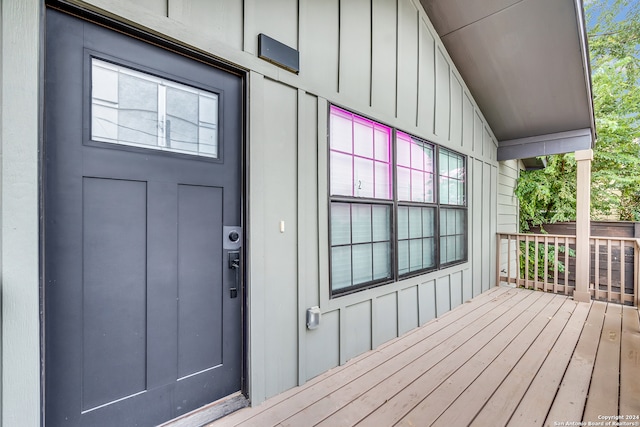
526	63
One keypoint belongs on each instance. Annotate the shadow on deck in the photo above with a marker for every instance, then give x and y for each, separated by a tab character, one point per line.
507	357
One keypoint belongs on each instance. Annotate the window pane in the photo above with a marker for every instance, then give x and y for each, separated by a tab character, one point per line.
381	223
381	261
361	223
443	250
417	186
444	191
403	257
461	200
133	108
340	267
383	181
340	224
403	222
363	177
341	174
137	111
404	184
428	188
182	120
415	251
415	223
417	156
428	253
451	248
460	247
104	123
341	131
363	137
453	192
428	222
452	226
403	148
382	144
362	263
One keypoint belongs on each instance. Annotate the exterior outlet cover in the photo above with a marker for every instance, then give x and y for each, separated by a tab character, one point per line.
313	317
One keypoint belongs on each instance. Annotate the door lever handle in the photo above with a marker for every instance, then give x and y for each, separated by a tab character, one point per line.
234	264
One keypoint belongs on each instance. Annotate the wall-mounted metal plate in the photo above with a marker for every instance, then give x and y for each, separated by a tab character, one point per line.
278	53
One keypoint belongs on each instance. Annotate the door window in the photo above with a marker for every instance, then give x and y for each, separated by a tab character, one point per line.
138	109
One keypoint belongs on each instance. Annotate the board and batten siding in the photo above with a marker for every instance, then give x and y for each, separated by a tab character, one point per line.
508	209
378	58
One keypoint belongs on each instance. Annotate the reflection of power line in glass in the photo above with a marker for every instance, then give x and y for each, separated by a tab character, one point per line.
133	108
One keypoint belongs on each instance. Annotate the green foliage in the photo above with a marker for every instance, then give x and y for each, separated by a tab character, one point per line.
615	57
529	250
548	195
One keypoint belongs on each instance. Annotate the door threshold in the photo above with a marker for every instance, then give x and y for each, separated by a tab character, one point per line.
210	412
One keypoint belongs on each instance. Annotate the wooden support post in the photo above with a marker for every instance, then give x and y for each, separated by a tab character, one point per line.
583	225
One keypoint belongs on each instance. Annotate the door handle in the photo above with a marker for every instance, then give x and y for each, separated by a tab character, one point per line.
234	264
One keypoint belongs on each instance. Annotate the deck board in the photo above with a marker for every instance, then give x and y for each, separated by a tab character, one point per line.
603	391
496	360
630	363
570	399
498	355
499	389
528	392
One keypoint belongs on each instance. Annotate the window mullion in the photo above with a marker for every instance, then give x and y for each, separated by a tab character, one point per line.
162	115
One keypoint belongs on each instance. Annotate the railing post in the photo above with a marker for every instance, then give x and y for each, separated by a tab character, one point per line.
583	225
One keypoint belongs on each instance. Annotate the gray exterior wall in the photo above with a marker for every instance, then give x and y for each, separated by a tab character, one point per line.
19	286
380	58
508	208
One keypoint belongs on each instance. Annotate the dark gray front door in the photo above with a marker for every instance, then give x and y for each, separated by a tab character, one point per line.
141	184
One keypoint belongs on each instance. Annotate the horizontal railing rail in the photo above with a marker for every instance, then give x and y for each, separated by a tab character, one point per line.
547	262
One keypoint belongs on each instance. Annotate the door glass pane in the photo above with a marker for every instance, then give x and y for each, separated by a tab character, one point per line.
133	108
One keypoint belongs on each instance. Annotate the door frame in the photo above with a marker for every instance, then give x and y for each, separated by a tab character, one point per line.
85	14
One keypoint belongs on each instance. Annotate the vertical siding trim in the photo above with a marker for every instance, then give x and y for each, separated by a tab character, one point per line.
323	208
256	296
20	77
397	54
302	261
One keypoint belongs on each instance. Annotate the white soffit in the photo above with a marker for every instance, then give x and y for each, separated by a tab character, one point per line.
524	61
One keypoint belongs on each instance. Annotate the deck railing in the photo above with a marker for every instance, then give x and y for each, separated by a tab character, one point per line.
547	262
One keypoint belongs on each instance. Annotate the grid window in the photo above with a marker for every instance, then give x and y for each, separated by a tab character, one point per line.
452	177
360	244
415	169
453	245
381	232
416	239
360	156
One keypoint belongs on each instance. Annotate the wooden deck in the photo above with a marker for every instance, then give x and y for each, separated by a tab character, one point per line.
508	357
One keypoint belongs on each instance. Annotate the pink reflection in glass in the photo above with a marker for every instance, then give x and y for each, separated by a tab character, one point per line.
367	146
